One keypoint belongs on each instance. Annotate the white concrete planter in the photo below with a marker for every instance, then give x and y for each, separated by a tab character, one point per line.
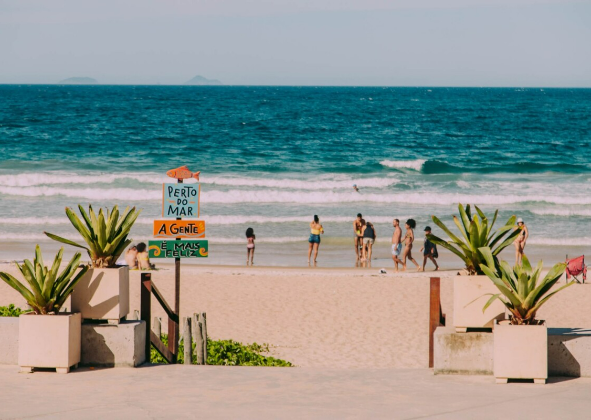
49	341
520	352
470	315
103	293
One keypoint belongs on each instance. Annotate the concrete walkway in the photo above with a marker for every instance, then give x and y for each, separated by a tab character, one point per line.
214	392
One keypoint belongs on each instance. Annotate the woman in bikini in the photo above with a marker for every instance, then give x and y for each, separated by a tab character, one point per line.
316	230
143	260
408	240
520	241
250	237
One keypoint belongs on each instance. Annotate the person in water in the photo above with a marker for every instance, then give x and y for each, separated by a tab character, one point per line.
429	250
520	240
357	239
250	237
316	230
143	261
409	238
131	257
396	243
369	237
355	187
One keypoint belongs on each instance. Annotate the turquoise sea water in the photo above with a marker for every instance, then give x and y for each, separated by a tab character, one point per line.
272	157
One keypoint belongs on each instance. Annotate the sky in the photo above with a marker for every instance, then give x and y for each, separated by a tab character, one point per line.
525	43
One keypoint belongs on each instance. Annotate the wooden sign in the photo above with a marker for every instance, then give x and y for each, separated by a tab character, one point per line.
178	249
180	200
179	228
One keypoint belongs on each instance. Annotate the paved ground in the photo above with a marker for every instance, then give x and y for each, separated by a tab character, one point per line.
215	392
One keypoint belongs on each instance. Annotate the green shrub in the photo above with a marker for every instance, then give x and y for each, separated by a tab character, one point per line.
226	353
12	310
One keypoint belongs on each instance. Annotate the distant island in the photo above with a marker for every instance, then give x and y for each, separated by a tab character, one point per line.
78	81
202	81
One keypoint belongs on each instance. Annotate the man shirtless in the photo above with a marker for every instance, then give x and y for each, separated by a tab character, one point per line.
396	245
357	238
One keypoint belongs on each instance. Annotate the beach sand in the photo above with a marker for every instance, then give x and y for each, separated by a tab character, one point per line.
322	317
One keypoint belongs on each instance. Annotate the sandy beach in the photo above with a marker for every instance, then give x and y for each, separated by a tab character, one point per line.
322	317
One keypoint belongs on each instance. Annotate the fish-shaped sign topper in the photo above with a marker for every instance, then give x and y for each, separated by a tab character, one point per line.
183	173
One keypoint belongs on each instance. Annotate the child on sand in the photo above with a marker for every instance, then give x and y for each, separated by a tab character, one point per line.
250	237
131	257
429	250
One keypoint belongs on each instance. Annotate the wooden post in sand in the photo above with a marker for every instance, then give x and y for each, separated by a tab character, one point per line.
157	327
187	345
204	335
197	329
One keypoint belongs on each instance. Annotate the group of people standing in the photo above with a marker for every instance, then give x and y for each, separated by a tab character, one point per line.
365	236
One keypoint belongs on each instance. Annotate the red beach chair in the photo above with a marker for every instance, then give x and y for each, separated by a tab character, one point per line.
576	267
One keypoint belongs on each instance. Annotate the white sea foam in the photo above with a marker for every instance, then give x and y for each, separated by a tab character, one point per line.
126	194
416	164
586	241
301	184
562	212
49	179
432	198
61	178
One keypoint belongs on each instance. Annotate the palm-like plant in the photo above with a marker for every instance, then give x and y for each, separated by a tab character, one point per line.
105	234
476	233
48	289
521	292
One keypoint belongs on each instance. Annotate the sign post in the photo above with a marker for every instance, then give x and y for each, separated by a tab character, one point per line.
179	200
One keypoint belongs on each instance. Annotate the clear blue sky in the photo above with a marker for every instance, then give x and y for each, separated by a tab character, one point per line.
303	42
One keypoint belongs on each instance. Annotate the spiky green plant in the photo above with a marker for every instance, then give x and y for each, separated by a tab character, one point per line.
476	233
521	292
105	234
48	289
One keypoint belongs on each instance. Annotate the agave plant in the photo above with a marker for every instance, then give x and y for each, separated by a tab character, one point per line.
476	233
48	289
105	234
521	292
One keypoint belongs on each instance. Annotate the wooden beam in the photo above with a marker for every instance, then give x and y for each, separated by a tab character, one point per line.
146	308
161	348
164	305
434	313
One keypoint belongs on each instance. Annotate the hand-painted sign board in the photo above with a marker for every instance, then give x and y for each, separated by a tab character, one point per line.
180	200
178	249
179	228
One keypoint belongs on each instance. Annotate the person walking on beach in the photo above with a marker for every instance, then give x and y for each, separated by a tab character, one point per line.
408	240
316	230
396	245
520	240
369	236
250	237
429	250
357	239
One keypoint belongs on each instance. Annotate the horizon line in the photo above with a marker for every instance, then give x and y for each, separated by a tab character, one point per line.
273	85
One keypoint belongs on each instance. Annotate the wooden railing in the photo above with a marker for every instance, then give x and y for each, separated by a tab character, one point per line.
148	288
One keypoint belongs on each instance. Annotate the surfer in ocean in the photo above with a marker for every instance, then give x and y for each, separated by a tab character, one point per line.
355	188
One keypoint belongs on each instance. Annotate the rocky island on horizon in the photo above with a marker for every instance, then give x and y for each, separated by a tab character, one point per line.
202	81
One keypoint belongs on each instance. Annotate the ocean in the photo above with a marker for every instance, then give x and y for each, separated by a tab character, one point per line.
272	157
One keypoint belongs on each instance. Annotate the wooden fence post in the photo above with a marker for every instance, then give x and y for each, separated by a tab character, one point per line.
198	338
187	347
146	308
157	328
204	335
